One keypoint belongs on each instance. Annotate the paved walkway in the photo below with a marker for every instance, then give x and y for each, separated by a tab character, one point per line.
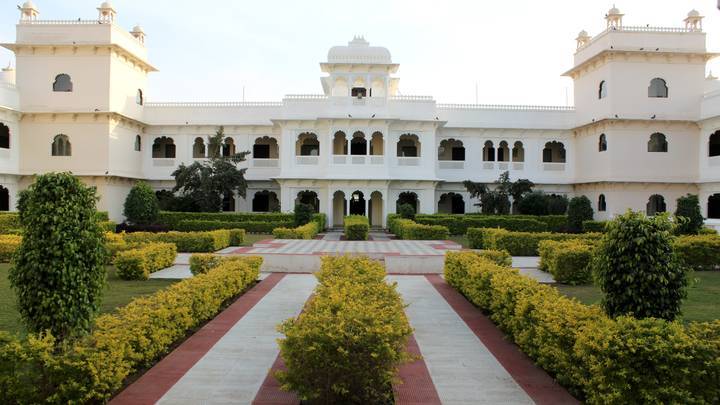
465	358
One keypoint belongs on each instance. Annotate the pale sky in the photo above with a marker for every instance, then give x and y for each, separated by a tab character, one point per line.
515	50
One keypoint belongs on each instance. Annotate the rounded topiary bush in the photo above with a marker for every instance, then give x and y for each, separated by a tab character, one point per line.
579	210
406	211
58	274
637	270
689	217
141	205
303	213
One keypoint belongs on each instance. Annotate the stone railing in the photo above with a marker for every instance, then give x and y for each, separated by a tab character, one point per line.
213	104
507	107
62	22
305	97
631	28
411	98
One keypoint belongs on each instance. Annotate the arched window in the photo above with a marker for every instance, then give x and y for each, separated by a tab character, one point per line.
163	148
265	148
488	152
518	152
310	198
198	148
408	146
714	144
358	144
655	205
63	83
408	197
139	97
602	143
376	144
61	146
713	206
451	203
554	152
451	149
602	90
228	148
4	199
340	146
658	88
657	143
503	152
307	145
265	201
4	136
138	143
602	206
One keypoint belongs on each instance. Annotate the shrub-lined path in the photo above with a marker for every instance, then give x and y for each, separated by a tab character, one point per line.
466	359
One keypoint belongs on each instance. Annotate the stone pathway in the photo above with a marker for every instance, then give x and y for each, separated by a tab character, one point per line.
466	359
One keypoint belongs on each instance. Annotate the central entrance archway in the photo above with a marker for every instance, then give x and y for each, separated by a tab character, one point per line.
357	203
339	208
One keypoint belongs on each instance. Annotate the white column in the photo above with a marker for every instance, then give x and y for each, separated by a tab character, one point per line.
367	204
347	203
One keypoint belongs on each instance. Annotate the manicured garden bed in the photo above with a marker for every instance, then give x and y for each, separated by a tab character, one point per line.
116	294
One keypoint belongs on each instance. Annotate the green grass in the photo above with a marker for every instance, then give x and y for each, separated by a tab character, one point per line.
460	239
252	238
702	303
117	293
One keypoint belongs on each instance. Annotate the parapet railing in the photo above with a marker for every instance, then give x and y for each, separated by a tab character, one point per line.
305	97
213	104
637	28
410	98
507	107
62	22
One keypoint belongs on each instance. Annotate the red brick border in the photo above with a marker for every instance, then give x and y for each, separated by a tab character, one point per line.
534	380
149	388
270	392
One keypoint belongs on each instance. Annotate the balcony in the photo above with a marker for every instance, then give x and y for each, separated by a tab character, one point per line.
266	162
451	164
553	167
307	160
358	159
408	161
163	162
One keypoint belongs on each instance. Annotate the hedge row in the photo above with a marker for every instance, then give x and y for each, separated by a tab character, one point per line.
518	243
700	252
173	219
357	227
8	246
600	360
411	230
209	241
569	261
201	263
594	226
249	226
347	344
132	338
10	222
138	263
307	231
459	224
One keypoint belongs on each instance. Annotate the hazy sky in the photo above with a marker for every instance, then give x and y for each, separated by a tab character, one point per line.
515	50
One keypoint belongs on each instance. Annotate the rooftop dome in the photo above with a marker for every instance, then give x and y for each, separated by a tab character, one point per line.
614	11
137	28
582	34
106	4
359	51
28	4
694	13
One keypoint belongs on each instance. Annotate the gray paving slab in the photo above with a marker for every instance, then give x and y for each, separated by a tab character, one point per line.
235	367
539	275
176	271
525	261
461	367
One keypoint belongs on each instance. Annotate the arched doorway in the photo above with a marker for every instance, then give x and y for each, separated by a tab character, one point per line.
408	197
265	201
655	205
713	206
376	209
451	203
357	203
310	198
4	199
339	208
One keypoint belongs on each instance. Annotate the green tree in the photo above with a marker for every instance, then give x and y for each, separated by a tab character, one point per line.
534	203
141	205
59	273
557	204
579	210
205	183
689	218
303	213
406	211
637	269
497	200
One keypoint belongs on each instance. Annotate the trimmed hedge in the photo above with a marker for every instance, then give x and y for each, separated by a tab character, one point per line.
518	243
594	226
10	223
600	360
307	231
499	257
357	227
700	252
248	226
201	263
173	219
567	261
132	338
410	230
347	344
8	246
459	224
138	263
191	242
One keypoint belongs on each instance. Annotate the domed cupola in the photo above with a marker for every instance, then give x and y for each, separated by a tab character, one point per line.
359	51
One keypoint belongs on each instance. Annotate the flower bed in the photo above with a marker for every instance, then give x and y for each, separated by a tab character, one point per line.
600	360
347	344
93	368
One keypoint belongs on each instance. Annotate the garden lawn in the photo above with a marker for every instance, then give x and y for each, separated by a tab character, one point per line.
461	240
117	293
251	238
702	303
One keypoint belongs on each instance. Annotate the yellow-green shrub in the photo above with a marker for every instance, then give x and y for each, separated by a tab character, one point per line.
411	230
237	237
347	344
138	263
567	261
601	360
307	231
518	243
201	263
701	252
191	242
92	369
499	257
8	246
357	227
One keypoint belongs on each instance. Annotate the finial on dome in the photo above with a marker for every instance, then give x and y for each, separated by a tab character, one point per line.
106	12
693	20
614	18
28	11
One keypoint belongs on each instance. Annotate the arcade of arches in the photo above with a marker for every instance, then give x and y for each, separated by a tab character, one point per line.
358	204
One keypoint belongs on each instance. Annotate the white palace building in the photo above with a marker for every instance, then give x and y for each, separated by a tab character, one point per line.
645	128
